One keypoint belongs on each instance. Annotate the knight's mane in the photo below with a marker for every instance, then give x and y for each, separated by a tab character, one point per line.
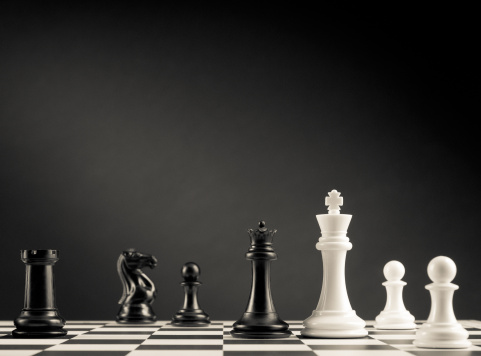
127	283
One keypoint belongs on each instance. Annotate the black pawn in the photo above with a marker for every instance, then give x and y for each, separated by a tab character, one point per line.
39	317
191	313
260	319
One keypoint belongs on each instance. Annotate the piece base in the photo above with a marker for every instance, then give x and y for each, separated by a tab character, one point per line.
334	325
261	335
439	344
190	317
395	320
442	336
38	334
136	320
260	325
198	323
141	313
334	334
136	314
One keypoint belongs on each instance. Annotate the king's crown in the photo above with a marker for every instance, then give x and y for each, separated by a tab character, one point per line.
261	235
334	202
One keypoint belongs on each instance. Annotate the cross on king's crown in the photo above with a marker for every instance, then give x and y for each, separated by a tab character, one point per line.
334	201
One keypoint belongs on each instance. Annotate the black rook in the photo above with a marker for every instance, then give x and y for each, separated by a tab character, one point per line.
39	317
260	319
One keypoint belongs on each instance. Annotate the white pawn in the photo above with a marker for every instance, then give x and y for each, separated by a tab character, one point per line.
442	329
394	316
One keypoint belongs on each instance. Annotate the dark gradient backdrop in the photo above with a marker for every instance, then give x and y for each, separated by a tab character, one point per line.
175	129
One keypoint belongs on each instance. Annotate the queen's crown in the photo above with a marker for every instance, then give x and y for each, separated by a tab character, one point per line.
261	235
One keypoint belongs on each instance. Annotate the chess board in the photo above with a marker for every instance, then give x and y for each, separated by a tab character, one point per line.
107	338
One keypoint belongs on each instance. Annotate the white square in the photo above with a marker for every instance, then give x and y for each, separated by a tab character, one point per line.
93	347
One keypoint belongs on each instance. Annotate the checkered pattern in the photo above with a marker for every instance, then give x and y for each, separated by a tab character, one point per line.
107	338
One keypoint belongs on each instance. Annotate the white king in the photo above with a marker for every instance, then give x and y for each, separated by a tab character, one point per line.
334	317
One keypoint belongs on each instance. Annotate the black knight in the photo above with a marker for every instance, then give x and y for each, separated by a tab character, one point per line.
139	291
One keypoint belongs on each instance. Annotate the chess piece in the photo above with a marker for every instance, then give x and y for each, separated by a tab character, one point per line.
39	317
394	316
334	317
138	290
442	329
260	319
191	313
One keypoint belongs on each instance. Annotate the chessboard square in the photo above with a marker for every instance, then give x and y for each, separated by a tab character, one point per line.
398	341
452	352
176	353
265	347
470	323
114	324
19	352
23	347
93	347
81	326
9	340
363	341
262	342
147	333
209	326
180	347
74	333
86	322
125	336
472	350
362	353
128	329
393	337
183	329
183	342
78	341
187	337
188	332
354	348
374	333
215	324
229	339
269	353
84	353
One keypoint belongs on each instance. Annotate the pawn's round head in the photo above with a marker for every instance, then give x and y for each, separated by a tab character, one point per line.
394	271
190	272
442	269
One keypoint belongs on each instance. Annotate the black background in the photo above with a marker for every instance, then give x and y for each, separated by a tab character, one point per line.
173	129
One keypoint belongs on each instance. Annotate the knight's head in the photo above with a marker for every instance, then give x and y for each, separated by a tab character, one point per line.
138	260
